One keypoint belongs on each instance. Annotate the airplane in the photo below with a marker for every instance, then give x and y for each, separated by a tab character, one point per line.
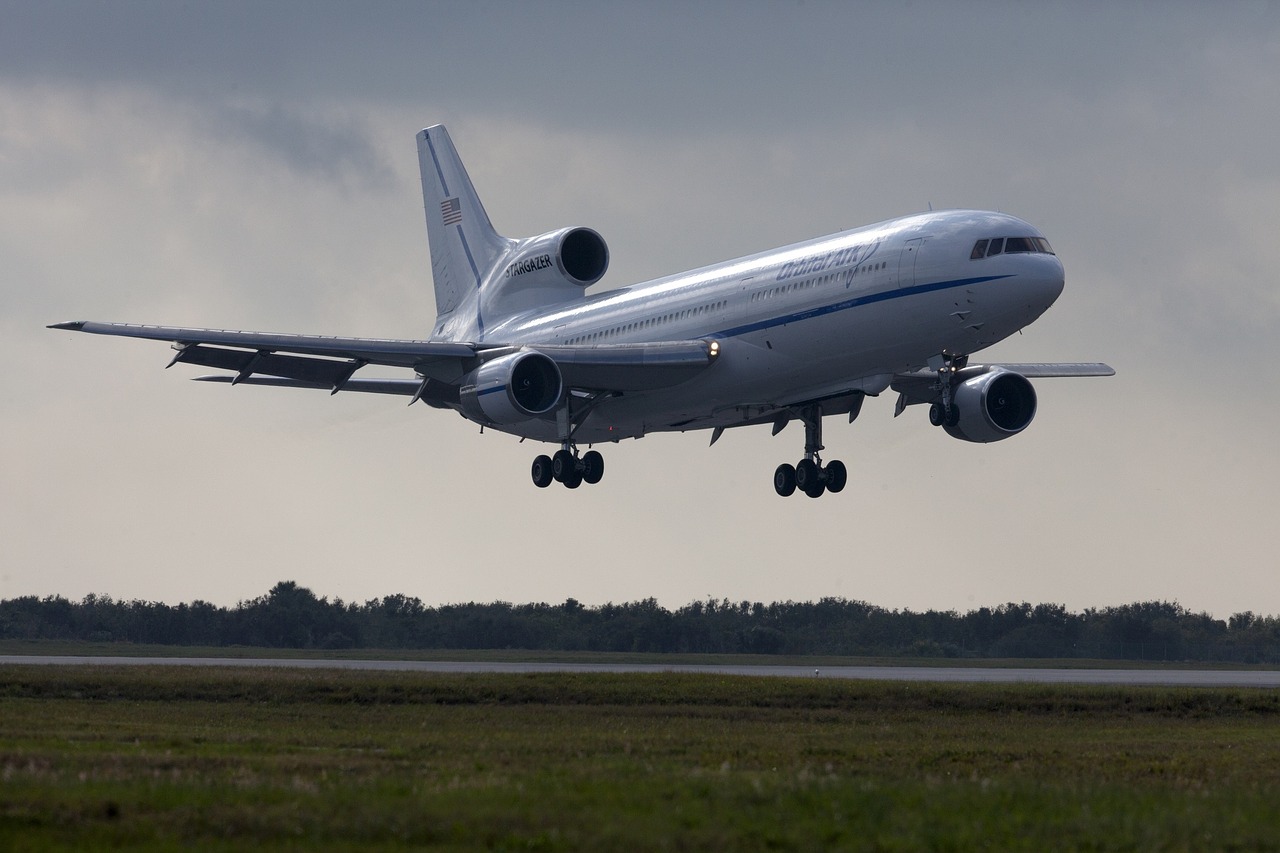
798	333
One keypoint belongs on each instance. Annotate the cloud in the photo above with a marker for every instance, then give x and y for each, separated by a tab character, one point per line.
257	170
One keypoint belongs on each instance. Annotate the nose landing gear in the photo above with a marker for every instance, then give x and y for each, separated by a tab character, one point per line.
809	475
945	412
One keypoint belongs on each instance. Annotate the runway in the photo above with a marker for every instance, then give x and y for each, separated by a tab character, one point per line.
971	675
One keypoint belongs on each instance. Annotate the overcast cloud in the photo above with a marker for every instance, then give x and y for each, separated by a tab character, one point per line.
253	166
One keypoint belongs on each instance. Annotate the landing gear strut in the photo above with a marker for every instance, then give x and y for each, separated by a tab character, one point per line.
565	466
809	475
946	413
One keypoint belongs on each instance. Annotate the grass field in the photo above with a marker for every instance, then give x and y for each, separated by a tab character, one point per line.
163	758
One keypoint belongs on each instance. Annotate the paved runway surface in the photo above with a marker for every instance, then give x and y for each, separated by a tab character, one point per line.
1162	677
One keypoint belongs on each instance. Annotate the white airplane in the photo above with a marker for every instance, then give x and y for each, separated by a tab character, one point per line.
796	333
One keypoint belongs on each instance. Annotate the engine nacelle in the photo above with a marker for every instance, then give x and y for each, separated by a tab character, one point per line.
993	406
576	256
511	388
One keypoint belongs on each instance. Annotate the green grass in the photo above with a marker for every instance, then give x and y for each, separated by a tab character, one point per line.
162	758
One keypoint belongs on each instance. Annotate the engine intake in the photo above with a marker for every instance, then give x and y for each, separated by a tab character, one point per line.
584	257
576	256
992	407
511	388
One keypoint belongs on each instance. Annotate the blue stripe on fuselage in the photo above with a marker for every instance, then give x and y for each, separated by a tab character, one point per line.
856	302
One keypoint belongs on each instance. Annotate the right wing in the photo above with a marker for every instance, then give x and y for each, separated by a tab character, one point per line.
923	386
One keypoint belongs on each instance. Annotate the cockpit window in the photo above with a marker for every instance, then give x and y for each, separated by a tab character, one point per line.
1009	246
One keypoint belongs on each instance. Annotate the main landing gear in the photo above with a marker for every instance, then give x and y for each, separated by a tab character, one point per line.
565	466
809	475
568	468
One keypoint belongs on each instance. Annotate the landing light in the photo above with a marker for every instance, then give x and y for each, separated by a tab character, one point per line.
715	348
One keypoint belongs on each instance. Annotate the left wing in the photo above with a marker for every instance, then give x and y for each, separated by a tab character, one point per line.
315	361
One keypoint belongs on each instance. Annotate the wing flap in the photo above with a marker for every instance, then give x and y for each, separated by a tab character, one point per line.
400	387
325	372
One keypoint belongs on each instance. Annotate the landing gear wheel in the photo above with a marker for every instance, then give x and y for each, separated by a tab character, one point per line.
573	480
592	467
809	478
784	480
562	466
542	471
837	476
953	416
937	414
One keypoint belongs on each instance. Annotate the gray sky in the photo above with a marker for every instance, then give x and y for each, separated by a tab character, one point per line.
252	166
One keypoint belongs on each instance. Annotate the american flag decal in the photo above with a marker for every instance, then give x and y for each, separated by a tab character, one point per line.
451	210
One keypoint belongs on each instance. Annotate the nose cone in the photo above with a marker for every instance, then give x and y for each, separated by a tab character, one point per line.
1055	281
1042	282
1036	282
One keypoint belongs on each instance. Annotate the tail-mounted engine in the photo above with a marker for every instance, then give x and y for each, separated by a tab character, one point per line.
576	256
511	388
546	270
992	406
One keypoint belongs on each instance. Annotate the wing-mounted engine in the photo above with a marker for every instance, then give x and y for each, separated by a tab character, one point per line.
546	270
511	388
992	406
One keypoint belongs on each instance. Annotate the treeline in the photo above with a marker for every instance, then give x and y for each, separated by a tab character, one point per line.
290	616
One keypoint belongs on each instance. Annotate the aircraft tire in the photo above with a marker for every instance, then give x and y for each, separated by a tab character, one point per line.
806	474
592	467
573	480
542	471
784	480
937	414
837	476
809	478
562	466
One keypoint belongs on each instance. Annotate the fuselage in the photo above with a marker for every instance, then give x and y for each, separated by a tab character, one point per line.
820	319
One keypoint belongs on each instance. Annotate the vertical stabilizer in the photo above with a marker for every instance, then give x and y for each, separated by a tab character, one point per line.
464	245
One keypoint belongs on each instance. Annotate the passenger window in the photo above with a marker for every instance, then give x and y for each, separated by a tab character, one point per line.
979	250
996	247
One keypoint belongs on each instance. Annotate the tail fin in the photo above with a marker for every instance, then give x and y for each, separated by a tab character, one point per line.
464	244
